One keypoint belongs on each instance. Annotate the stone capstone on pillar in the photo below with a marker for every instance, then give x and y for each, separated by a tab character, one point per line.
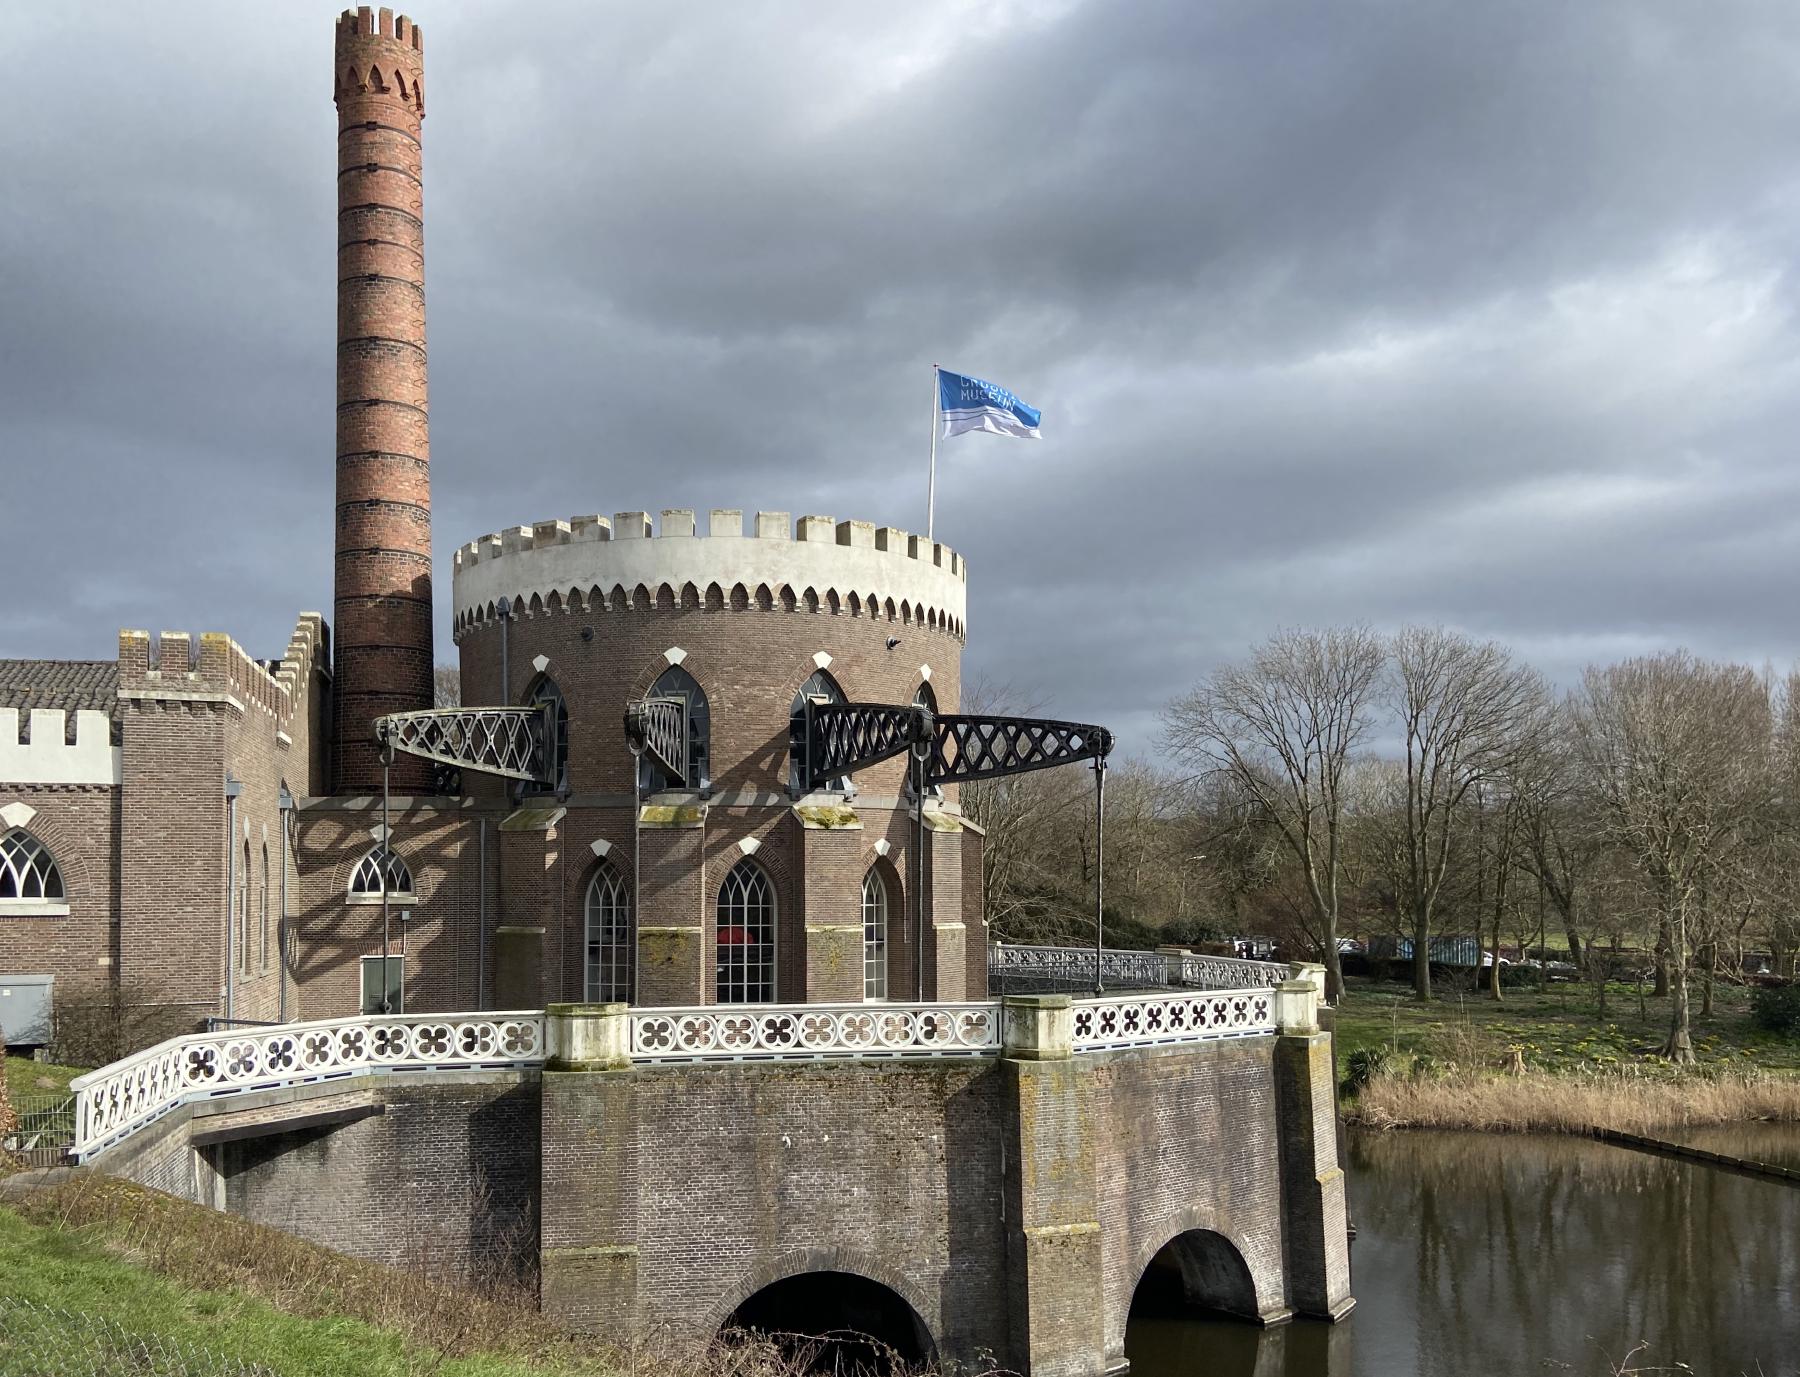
1037	1027
1297	1008
587	1037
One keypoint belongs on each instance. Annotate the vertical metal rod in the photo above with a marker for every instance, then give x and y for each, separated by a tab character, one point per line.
918	754
281	971
931	482
1099	868
231	845
505	676
481	918
387	855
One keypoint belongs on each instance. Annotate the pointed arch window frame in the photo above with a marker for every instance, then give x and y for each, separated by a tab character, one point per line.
678	682
609	976
746	970
31	878
821	683
367	866
545	689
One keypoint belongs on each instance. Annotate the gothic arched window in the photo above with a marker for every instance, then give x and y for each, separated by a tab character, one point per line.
28	872
544	691
676	682
611	941
365	882
820	685
875	929
746	938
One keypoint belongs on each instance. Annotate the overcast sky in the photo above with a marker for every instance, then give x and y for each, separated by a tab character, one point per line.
1385	312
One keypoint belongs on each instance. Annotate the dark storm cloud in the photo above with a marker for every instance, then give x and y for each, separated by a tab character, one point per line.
1384	311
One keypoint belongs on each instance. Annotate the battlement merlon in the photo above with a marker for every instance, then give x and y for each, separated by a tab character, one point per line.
379	53
572	558
45	755
176	665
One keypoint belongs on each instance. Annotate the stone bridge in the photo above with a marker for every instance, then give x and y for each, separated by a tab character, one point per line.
973	1181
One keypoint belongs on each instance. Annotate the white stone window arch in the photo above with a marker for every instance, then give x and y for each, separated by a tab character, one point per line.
746	936
31	883
875	933
365	880
611	937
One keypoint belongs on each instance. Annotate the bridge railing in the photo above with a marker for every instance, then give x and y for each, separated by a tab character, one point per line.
119	1099
1146	1020
1043	970
810	1031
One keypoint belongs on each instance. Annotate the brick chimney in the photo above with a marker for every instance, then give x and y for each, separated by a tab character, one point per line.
382	605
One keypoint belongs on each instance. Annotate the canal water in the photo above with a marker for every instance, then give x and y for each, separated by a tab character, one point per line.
1484	1254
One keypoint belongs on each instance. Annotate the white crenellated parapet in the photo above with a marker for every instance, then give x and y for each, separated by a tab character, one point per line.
594	563
45	757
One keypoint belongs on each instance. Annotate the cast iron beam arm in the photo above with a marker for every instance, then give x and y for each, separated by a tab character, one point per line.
657	727
842	738
509	742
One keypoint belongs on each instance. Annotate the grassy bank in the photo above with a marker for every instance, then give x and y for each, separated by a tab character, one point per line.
1549	1061
97	1271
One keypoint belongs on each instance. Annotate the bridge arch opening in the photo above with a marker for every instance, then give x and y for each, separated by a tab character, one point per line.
1198	1272
838	1323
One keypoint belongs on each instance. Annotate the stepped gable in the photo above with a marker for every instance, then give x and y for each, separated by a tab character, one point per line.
69	685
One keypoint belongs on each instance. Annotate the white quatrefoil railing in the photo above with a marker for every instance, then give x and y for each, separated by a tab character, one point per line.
1146	1020
810	1031
117	1100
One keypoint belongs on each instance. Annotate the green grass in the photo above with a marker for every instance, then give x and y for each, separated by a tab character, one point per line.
27	1077
1558	1029
74	1271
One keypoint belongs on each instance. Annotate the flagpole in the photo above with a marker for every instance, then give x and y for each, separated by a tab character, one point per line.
931	482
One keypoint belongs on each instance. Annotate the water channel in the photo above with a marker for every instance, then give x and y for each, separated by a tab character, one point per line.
1480	1254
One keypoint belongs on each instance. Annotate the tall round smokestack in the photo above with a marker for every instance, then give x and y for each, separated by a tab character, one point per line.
383	576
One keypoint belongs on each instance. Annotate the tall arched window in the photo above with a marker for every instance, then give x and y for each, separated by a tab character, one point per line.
820	685
676	682
243	934
746	936
611	941
264	924
875	924
365	882
544	691
28	873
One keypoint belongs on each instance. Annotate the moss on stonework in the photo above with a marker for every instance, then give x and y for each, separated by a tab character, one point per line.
667	948
942	822
828	817
672	815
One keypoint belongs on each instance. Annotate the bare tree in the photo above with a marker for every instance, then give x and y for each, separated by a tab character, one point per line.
1468	711
446	686
1677	749
1282	728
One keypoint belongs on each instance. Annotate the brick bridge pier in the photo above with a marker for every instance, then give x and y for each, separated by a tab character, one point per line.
1000	1176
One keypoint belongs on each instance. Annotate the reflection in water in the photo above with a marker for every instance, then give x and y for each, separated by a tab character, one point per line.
1483	1254
1777	1144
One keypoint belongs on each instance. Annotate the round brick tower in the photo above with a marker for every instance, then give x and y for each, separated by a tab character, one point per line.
382	594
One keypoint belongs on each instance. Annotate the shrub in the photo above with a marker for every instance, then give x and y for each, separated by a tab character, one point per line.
1363	1065
1776	1008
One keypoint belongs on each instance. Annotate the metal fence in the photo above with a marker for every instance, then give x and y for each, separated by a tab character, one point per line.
46	1128
1070	970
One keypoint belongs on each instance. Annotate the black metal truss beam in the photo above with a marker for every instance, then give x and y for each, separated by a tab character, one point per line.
509	742
842	738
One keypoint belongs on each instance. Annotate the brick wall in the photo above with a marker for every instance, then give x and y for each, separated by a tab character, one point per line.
444	1181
